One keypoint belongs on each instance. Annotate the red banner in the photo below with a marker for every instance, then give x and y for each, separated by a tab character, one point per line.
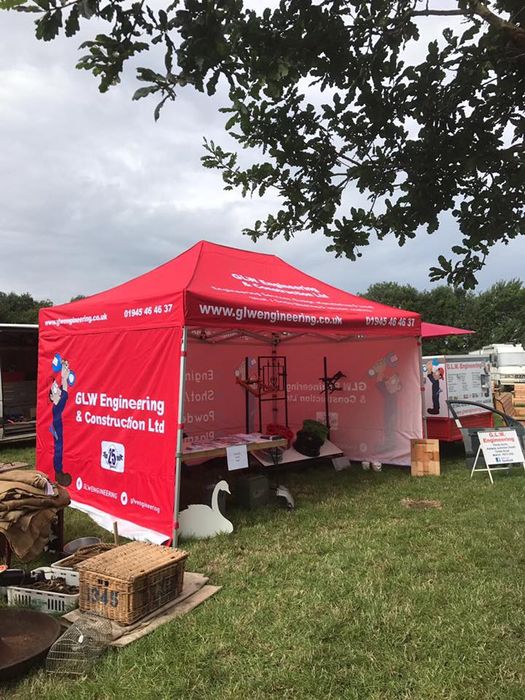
107	420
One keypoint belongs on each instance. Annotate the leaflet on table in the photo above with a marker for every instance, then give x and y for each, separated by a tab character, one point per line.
252	437
202	446
249	437
223	442
216	444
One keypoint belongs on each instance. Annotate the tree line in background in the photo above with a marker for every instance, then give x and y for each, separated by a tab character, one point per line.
497	314
22	308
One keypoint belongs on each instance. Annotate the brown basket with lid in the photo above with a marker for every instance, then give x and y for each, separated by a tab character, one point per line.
128	582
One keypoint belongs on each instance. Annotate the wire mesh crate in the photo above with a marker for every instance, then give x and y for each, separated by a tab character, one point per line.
128	582
78	648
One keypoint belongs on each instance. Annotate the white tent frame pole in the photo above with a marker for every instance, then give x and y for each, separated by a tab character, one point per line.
180	432
423	385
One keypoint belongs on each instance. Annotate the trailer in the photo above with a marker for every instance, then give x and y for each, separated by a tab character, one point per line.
18	373
507	364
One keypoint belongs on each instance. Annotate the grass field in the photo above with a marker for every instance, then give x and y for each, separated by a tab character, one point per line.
352	595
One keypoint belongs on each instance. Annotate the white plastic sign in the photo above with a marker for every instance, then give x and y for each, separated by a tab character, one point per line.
500	447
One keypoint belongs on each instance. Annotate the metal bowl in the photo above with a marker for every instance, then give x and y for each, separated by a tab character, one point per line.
25	637
72	546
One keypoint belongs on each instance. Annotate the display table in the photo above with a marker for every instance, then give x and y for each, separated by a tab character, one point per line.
328	449
199	451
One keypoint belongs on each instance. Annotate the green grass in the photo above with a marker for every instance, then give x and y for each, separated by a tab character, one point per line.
349	596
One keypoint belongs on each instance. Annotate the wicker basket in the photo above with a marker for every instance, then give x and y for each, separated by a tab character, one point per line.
82	554
128	582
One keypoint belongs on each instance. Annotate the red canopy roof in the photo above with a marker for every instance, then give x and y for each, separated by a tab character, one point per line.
214	286
435	330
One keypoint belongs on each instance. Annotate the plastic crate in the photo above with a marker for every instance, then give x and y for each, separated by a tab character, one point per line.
72	578
46	601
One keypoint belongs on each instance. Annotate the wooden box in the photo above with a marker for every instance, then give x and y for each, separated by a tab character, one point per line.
424	457
128	582
519	391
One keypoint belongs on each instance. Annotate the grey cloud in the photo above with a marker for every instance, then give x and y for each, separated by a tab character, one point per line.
93	192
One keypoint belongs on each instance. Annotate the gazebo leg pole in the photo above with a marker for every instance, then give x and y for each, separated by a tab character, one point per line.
180	435
422	384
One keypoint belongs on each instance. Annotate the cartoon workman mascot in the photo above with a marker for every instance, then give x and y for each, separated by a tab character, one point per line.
58	396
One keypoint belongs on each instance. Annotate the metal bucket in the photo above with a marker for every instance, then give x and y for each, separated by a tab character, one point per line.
72	546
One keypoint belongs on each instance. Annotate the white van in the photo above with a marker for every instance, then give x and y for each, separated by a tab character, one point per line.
507	363
18	370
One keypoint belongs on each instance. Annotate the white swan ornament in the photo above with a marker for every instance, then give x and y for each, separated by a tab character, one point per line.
201	521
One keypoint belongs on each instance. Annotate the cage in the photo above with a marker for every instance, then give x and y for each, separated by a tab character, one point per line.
78	648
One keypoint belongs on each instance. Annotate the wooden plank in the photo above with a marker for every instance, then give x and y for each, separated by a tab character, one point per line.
504	401
176	611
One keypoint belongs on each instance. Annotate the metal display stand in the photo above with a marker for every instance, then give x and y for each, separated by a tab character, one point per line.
272	381
330	385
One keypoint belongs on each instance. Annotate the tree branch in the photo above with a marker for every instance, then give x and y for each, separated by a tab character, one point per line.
428	13
515	33
479	8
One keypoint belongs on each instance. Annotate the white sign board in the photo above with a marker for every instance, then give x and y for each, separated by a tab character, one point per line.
458	377
237	457
500	447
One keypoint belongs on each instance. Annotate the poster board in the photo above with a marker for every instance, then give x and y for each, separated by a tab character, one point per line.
498	447
109	435
456	377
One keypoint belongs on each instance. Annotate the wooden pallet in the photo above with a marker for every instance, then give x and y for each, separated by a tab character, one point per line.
512	402
503	401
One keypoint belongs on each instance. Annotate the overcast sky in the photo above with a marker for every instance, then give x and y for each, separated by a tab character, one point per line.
93	191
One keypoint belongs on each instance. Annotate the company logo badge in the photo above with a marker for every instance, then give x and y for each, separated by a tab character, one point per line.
112	456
